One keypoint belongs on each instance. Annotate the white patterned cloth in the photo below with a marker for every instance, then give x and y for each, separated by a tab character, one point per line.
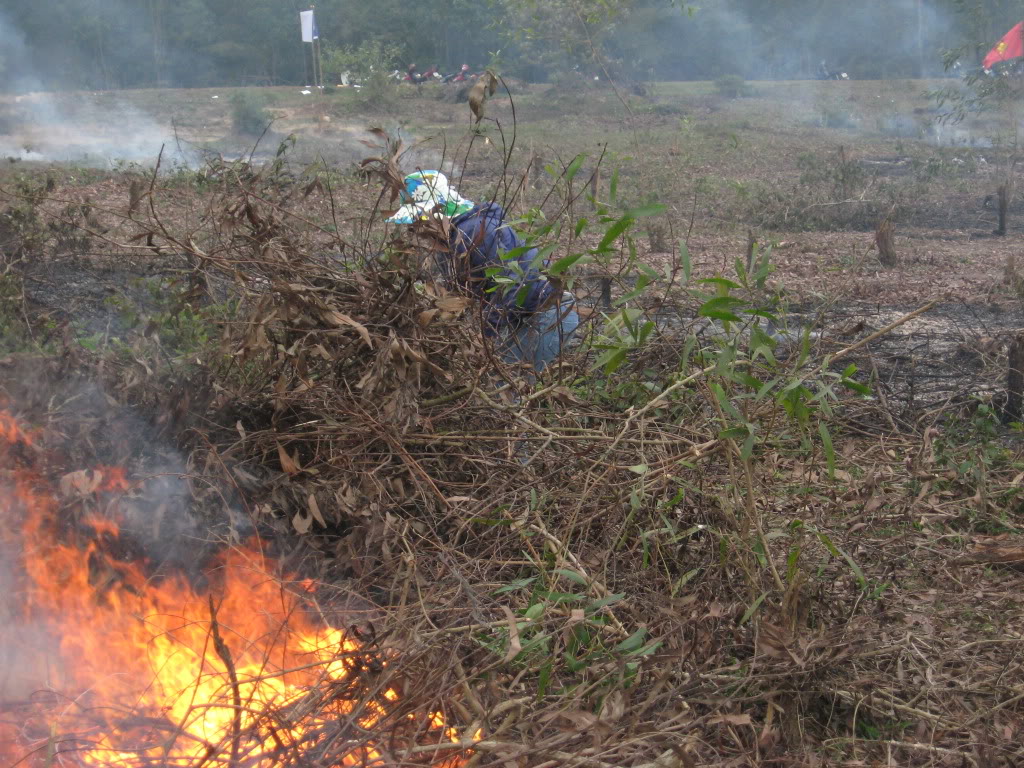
429	193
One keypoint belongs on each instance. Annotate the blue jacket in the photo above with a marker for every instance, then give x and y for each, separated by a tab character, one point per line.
483	234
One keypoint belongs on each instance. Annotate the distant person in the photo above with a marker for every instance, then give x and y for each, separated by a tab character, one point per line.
528	315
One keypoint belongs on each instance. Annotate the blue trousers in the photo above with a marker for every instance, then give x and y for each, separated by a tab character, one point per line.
539	339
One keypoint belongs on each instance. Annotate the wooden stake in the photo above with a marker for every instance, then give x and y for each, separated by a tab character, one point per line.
886	242
751	247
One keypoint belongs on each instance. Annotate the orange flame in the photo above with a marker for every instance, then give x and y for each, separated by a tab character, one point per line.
152	673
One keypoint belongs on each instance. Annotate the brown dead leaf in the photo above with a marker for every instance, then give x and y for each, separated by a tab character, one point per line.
81	483
1008	555
302	524
314	510
425	317
288	463
873	504
772	642
453	304
514	643
340	319
730	720
613	707
581	721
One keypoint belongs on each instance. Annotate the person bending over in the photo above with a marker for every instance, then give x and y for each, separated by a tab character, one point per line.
528	315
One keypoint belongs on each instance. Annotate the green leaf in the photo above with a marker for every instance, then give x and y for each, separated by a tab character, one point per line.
513	254
632	643
574	167
544	679
645	211
721	282
684	580
581	225
611	360
563	264
791	563
830	451
639	469
534	612
649	272
541	258
614	232
856	386
684	259
720	308
571	576
724	401
753	608
741	270
512	586
560	597
748	447
837	552
648	649
597	605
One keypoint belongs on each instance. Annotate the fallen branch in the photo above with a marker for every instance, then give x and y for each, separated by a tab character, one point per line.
882	332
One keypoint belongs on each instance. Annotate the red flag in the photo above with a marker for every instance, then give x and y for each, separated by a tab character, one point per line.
1010	47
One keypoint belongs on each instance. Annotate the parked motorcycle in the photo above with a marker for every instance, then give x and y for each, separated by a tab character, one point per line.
416	78
461	76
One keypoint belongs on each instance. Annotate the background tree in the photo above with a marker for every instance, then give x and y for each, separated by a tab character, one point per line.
128	43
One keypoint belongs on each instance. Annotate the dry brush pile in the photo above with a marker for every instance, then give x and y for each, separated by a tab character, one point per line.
680	557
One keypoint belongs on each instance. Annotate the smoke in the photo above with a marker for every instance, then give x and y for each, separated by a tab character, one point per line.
36	126
68	468
875	39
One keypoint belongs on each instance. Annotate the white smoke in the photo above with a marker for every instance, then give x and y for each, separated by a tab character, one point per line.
102	131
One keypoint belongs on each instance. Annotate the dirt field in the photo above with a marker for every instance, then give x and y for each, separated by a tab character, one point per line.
810	167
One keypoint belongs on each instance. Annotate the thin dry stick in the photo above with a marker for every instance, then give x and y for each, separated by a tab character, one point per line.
878	334
653	402
225	655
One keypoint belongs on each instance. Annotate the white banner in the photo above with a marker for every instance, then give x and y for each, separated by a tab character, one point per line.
308	24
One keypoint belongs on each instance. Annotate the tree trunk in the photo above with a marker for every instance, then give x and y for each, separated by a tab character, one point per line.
1003	195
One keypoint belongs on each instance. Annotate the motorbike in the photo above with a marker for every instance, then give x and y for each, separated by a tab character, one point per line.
461	76
414	77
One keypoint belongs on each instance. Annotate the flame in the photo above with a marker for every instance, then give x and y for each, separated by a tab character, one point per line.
145	672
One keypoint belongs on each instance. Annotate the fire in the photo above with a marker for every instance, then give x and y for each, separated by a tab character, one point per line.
140	671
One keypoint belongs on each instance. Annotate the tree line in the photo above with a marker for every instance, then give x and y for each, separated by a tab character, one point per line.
101	44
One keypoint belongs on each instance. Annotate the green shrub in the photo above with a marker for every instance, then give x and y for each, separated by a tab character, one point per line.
249	116
370	65
732	86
